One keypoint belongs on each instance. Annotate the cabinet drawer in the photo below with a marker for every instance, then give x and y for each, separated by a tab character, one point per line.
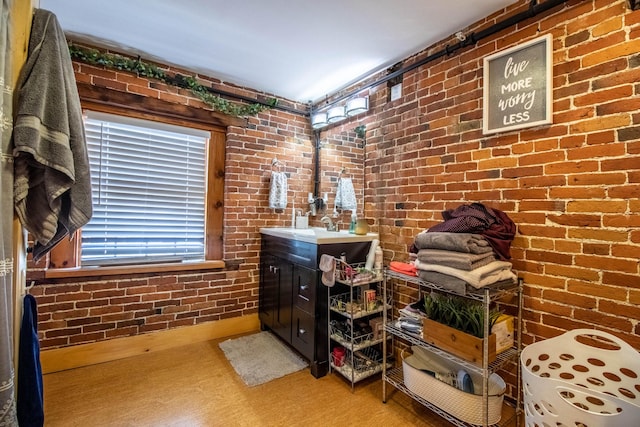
303	333
304	288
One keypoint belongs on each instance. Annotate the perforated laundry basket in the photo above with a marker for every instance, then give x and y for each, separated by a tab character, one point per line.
583	378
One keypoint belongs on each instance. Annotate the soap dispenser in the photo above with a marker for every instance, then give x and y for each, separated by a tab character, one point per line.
354	219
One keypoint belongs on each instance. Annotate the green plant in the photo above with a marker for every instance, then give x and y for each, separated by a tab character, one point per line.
144	69
459	313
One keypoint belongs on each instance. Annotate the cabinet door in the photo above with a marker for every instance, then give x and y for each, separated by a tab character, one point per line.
274	302
275	297
268	292
283	271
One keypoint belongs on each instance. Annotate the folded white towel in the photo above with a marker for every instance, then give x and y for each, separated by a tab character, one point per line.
278	190
345	195
496	271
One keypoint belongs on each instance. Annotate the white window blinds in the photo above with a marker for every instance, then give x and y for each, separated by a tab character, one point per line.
148	182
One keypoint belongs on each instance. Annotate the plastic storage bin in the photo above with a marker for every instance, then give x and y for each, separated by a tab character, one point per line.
582	378
467	407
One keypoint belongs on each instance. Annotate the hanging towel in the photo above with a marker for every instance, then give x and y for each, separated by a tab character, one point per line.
52	187
328	267
30	392
278	190
345	195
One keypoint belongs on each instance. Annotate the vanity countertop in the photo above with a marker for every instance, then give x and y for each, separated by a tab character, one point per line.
318	235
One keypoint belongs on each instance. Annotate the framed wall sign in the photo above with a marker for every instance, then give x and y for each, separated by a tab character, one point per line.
518	86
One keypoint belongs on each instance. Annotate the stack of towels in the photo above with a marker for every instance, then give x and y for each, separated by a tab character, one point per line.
471	247
453	260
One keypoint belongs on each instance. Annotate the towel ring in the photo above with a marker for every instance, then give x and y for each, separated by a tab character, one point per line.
343	172
276	165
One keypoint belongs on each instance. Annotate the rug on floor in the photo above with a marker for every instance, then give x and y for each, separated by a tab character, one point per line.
261	357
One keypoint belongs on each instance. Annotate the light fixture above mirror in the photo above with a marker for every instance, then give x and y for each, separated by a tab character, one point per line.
336	113
318	120
357	106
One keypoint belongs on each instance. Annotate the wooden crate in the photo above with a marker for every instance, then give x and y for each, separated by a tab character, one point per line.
465	346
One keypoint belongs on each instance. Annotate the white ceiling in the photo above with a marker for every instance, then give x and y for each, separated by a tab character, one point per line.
302	50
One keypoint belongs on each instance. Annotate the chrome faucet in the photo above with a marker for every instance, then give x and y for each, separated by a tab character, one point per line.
331	226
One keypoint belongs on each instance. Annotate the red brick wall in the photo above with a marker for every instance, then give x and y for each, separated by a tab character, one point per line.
572	187
73	311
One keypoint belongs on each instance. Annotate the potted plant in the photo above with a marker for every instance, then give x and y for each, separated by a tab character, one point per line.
456	325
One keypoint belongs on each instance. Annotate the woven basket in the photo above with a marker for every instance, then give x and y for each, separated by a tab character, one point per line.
464	406
582	378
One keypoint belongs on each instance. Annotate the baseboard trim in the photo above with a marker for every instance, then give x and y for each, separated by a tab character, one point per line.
60	359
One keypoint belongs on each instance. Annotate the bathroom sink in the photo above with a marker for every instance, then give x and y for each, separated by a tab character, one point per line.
317	235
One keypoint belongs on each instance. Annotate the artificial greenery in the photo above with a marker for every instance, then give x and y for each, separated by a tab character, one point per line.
459	313
144	69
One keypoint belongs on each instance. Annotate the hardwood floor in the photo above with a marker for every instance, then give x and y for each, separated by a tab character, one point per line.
194	385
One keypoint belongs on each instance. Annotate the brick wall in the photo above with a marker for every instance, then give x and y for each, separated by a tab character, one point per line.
572	187
73	312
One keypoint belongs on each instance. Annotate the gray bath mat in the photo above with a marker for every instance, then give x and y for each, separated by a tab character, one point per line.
260	358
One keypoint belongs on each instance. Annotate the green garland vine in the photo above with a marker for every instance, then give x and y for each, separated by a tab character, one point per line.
144	69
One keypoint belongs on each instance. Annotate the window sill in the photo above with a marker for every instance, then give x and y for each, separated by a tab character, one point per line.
65	273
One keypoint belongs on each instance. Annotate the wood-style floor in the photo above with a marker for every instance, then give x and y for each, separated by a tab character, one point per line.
195	386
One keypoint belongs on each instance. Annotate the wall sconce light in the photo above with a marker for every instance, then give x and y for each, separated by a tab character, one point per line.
340	112
357	106
318	120
335	114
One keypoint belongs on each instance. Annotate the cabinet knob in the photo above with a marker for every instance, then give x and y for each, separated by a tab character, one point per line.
304	287
273	269
301	331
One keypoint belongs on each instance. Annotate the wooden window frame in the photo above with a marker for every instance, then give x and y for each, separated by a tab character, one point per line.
64	259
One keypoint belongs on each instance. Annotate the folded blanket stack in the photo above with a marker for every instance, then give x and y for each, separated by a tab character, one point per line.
455	260
493	224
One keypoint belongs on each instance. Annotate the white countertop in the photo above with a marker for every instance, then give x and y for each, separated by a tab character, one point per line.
318	235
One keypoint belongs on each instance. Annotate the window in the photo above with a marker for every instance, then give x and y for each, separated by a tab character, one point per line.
132	173
149	185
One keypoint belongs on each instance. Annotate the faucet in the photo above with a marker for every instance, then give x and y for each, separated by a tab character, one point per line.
331	226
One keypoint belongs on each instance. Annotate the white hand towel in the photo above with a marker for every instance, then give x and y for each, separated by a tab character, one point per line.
278	190
345	195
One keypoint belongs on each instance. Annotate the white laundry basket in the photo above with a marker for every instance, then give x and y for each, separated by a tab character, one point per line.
583	378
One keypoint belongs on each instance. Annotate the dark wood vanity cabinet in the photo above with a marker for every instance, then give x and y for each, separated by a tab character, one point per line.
293	300
275	295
